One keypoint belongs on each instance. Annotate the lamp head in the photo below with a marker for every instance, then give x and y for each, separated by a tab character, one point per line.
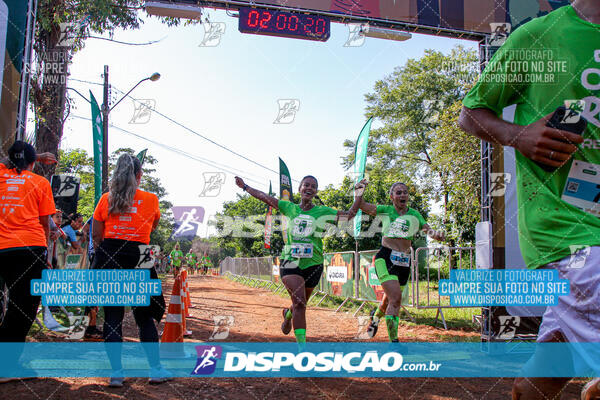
155	76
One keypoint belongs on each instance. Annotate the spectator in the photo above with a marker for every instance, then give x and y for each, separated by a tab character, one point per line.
27	204
75	223
119	228
55	234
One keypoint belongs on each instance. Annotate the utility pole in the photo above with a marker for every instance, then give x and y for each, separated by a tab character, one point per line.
105	111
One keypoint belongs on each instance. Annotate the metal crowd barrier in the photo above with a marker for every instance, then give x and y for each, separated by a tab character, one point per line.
438	262
352	277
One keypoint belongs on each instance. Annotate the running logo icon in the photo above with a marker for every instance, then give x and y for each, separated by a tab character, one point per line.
221	329
431	110
68	34
207	359
356	38
142	111
508	326
67	185
500	32
213	182
574	110
579	255
363	324
187	222
213	32
147	255
287	111
499	181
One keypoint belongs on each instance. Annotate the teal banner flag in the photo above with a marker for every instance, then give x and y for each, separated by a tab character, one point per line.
360	160
142	156
97	143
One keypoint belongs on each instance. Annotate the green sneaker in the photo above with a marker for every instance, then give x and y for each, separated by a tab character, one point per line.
373	325
286	325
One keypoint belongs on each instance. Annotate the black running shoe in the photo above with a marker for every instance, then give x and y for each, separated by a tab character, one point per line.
93	333
373	325
286	325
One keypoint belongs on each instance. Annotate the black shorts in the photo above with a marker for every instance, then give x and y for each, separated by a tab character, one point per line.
401	272
311	275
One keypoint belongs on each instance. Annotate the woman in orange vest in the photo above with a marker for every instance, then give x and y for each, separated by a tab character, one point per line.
25	208
123	220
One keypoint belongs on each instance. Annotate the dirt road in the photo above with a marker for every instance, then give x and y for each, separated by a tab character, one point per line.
257	317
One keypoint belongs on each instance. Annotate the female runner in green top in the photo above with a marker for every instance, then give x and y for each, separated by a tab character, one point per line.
176	259
392	263
302	258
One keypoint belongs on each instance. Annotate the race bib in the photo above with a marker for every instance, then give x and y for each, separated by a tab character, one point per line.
582	188
400	259
302	250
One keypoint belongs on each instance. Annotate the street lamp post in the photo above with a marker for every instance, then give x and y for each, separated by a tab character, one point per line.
106	109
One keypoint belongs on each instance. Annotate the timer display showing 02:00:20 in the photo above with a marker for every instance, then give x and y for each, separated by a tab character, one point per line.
283	23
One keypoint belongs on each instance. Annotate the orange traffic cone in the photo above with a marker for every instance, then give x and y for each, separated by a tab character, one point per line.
188	295
184	312
174	324
185	296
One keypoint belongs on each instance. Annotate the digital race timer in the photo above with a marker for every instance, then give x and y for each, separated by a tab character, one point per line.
283	23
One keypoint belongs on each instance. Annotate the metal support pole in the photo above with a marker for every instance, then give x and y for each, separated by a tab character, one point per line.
26	70
105	111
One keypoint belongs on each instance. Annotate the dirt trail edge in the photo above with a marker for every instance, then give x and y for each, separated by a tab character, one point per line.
257	318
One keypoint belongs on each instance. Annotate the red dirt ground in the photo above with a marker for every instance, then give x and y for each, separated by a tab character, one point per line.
257	315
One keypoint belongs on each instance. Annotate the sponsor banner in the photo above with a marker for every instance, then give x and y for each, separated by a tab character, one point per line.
337	274
511	287
349	359
373	279
369	286
99	287
72	261
339	286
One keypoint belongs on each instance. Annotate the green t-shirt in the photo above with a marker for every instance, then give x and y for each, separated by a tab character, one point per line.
400	226
176	257
543	63
305	227
191	258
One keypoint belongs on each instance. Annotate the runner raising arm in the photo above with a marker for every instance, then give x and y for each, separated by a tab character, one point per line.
302	258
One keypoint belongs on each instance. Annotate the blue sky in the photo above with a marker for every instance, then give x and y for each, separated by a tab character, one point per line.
229	94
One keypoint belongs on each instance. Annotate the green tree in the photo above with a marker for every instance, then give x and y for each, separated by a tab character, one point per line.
240	229
463	179
62	27
411	103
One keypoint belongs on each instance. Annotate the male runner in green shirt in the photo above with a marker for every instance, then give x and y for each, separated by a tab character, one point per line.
192	261
551	61
176	259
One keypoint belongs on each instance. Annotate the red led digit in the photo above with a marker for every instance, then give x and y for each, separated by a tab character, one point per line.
293	23
281	21
264	21
310	22
253	19
320	29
